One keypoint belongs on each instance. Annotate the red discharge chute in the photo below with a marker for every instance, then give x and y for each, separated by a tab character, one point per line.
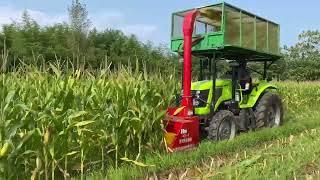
188	28
182	127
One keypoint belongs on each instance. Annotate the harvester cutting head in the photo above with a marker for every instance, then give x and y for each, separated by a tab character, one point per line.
181	131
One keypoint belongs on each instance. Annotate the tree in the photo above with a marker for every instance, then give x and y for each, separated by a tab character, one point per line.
307	48
29	43
80	25
303	59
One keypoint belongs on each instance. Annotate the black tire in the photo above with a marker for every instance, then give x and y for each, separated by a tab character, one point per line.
222	126
269	111
244	119
247	120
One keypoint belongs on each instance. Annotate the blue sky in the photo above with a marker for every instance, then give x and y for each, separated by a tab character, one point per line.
150	19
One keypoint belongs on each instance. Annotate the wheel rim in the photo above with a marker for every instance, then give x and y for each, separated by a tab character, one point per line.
226	130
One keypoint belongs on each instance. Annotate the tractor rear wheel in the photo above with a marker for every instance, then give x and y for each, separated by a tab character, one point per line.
269	111
222	126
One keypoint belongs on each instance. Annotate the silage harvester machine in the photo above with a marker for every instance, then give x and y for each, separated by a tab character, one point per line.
217	108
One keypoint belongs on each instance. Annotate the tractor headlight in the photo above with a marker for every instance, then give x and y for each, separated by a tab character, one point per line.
196	101
198	94
200	98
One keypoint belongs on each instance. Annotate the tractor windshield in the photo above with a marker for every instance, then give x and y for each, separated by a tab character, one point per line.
203	25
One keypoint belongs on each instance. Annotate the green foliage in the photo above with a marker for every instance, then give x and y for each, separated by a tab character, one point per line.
76	45
302	61
75	100
79	25
62	124
308	47
281	159
78	121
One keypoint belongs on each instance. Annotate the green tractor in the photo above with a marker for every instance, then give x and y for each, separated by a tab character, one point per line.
220	107
236	104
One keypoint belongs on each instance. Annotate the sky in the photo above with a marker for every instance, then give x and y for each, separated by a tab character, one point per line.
150	20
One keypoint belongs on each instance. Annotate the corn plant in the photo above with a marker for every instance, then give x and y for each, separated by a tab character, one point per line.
65	124
58	123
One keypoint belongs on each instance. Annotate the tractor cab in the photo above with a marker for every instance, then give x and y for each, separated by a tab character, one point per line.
217	107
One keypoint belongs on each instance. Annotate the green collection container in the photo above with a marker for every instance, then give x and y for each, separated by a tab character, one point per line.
229	30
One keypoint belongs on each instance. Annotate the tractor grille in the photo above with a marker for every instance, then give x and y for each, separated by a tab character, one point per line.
204	94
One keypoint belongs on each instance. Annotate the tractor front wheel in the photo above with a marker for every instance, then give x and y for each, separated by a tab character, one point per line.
269	111
222	126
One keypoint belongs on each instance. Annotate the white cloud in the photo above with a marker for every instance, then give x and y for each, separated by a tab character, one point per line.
142	31
9	14
111	19
117	20
101	20
45	19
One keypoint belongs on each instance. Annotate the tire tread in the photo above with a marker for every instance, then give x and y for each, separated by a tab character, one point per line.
261	109
215	122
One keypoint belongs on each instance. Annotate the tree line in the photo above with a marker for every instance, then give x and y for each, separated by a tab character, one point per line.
75	44
301	61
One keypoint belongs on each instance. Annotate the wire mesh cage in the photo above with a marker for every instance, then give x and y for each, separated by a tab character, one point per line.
224	26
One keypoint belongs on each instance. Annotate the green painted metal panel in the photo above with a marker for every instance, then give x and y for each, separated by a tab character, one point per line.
203	85
256	93
215	40
211	41
226	94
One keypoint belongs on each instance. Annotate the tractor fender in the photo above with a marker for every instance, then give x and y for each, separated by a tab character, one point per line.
256	93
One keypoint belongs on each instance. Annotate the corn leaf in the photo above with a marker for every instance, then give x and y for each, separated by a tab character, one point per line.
178	110
83	123
136	162
77	114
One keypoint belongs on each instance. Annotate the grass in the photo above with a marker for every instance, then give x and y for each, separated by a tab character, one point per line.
310	170
207	149
280	159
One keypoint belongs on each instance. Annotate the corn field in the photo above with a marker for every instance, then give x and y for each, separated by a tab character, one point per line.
58	125
300	96
54	125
